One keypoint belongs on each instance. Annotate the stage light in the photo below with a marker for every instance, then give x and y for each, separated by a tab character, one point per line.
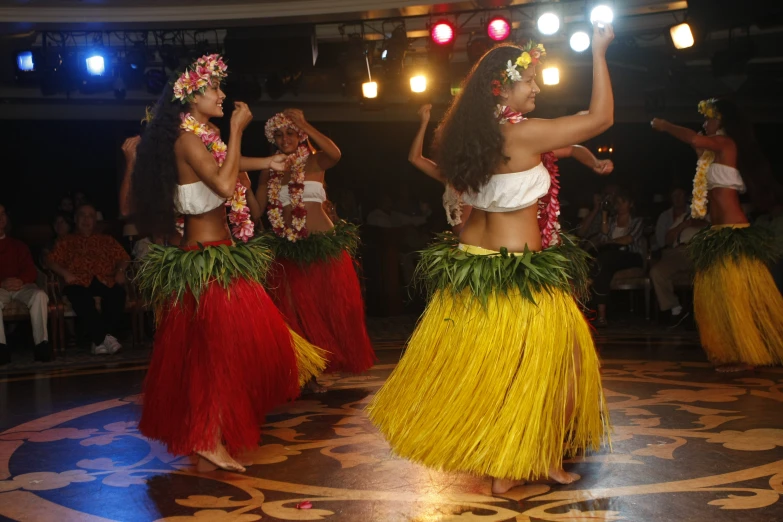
442	33
580	41
25	62
96	65
548	23
370	89
418	83
682	36
551	75
601	15
498	29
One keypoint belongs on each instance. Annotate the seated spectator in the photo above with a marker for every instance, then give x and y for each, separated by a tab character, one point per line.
66	205
17	282
80	199
590	227
621	245
674	229
93	265
62	226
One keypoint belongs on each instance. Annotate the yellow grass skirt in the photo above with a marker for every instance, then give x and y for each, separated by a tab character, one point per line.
739	312
483	389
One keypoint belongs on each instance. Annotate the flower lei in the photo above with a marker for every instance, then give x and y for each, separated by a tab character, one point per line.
198	76
241	225
452	203
296	164
548	206
699	200
532	54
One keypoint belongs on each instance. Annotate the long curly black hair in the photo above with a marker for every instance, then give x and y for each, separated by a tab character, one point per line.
753	165
468	144
155	174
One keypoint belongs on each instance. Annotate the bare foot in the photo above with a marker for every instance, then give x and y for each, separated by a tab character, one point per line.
561	476
733	367
500	486
312	386
219	458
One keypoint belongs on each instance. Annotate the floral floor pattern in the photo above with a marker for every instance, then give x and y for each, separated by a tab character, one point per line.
688	445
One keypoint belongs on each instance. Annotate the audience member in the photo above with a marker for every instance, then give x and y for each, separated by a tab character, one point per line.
93	265
674	229
603	206
17	282
62	226
621	245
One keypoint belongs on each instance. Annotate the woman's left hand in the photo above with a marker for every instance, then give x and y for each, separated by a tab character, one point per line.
657	124
603	167
297	117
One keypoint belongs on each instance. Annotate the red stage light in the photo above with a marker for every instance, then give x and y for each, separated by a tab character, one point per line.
498	29
442	33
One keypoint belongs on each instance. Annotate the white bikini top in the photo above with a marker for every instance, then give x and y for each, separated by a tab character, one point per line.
720	175
509	192
196	198
313	192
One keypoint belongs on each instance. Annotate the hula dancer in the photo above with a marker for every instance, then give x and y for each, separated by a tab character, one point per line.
738	308
501	376
313	279
457	212
223	354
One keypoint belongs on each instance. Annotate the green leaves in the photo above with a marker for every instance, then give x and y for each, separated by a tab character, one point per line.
443	266
168	272
719	244
319	246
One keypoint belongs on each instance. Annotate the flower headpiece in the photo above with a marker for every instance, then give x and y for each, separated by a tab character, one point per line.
199	75
279	122
708	108
532	54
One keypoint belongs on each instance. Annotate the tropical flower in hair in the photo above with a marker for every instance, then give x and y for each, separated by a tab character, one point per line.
204	72
708	108
532	54
280	122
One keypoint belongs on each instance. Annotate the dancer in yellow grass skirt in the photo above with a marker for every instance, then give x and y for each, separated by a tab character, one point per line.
738	308
501	377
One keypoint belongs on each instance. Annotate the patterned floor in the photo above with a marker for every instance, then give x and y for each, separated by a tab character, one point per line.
689	444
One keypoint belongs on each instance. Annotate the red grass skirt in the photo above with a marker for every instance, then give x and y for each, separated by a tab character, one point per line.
218	369
323	303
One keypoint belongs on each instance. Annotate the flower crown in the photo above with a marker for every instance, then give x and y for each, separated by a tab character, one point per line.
199	75
279	122
532	54
708	108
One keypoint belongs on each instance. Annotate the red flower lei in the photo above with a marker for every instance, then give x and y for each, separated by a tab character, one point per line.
549	205
296	164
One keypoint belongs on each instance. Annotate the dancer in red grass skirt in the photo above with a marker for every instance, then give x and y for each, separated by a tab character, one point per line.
223	355
313	280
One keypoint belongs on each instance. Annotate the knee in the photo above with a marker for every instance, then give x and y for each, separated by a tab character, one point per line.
40	297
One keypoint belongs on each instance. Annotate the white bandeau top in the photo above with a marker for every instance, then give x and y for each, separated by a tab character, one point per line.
509	192
196	198
313	192
720	175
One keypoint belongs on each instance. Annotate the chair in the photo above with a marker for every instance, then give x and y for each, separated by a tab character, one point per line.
16	311
637	278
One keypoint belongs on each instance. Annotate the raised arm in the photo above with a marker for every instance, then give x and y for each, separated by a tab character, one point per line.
329	154
539	136
415	156
585	157
698	141
247	164
222	180
129	150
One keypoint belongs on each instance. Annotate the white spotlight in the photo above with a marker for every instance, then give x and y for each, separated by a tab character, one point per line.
370	89
551	75
418	83
682	37
601	15
548	23
580	41
96	65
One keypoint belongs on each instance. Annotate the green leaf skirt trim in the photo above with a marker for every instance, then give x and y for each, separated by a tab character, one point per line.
169	272
721	244
444	267
318	246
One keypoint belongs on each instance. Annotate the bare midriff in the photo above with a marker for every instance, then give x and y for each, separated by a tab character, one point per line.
208	227
317	219
725	207
494	230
